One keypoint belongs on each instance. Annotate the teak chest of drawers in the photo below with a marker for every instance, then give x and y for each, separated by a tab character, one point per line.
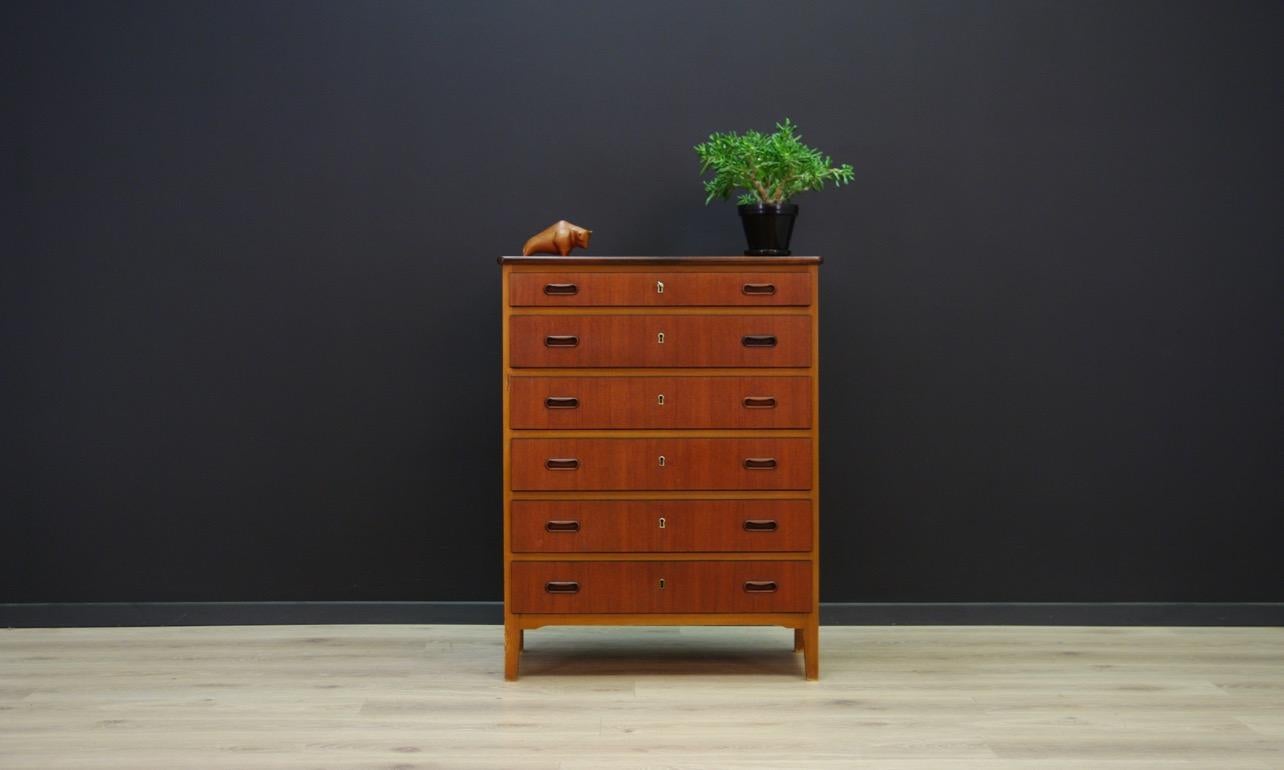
661	444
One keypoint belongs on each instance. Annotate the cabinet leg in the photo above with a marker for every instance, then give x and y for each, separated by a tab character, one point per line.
798	639
512	650
811	650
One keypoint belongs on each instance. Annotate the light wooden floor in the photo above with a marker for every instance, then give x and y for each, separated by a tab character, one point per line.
594	698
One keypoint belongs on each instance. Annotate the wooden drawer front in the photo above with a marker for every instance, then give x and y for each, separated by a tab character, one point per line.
583	289
659	402
656	526
661	463
634	586
659	340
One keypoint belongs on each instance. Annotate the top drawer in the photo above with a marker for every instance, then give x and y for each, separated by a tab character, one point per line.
676	288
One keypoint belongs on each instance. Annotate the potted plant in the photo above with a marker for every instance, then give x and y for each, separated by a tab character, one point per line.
771	169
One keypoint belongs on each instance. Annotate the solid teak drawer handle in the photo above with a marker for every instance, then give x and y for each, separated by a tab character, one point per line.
760	463
760	402
562	526
760	525
758	340
561	402
566	587
561	341
760	586
562	463
561	289
766	289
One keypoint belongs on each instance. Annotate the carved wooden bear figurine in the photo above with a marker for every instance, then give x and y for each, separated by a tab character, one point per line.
558	238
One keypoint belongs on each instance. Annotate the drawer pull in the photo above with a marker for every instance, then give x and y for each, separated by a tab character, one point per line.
562	463
565	526
763	289
659	287
760	525
561	341
760	402
561	289
566	587
760	586
758	340
561	402
760	463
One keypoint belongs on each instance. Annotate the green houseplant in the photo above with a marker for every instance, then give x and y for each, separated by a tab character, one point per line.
770	169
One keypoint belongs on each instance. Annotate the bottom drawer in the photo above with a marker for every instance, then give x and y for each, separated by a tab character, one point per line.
660	586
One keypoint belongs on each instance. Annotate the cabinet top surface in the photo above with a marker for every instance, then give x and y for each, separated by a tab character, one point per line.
583	259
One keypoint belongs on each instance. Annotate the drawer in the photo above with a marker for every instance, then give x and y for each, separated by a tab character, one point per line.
659	340
635	586
661	463
585	289
543	403
658	526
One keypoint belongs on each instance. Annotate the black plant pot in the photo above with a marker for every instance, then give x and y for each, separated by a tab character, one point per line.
768	227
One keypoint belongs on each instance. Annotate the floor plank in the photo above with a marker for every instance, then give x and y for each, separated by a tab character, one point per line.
905	698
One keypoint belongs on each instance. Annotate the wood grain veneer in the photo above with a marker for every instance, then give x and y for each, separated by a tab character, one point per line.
659	340
661	586
660	526
659	289
587	260
577	403
661	463
660	423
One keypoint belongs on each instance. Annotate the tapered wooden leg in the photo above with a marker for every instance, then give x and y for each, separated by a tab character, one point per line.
512	650
798	639
811	650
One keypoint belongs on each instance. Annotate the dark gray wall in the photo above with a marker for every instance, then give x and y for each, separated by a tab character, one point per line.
250	304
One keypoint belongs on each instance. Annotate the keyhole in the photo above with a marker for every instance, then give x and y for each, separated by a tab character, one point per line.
660	399
661	461
659	338
661	584
662	522
659	287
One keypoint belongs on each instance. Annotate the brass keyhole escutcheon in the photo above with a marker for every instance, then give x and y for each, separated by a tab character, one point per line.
661	584
662	461
659	399
662	522
659	287
659	338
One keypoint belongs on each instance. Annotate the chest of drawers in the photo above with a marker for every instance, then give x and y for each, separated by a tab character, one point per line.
661	445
